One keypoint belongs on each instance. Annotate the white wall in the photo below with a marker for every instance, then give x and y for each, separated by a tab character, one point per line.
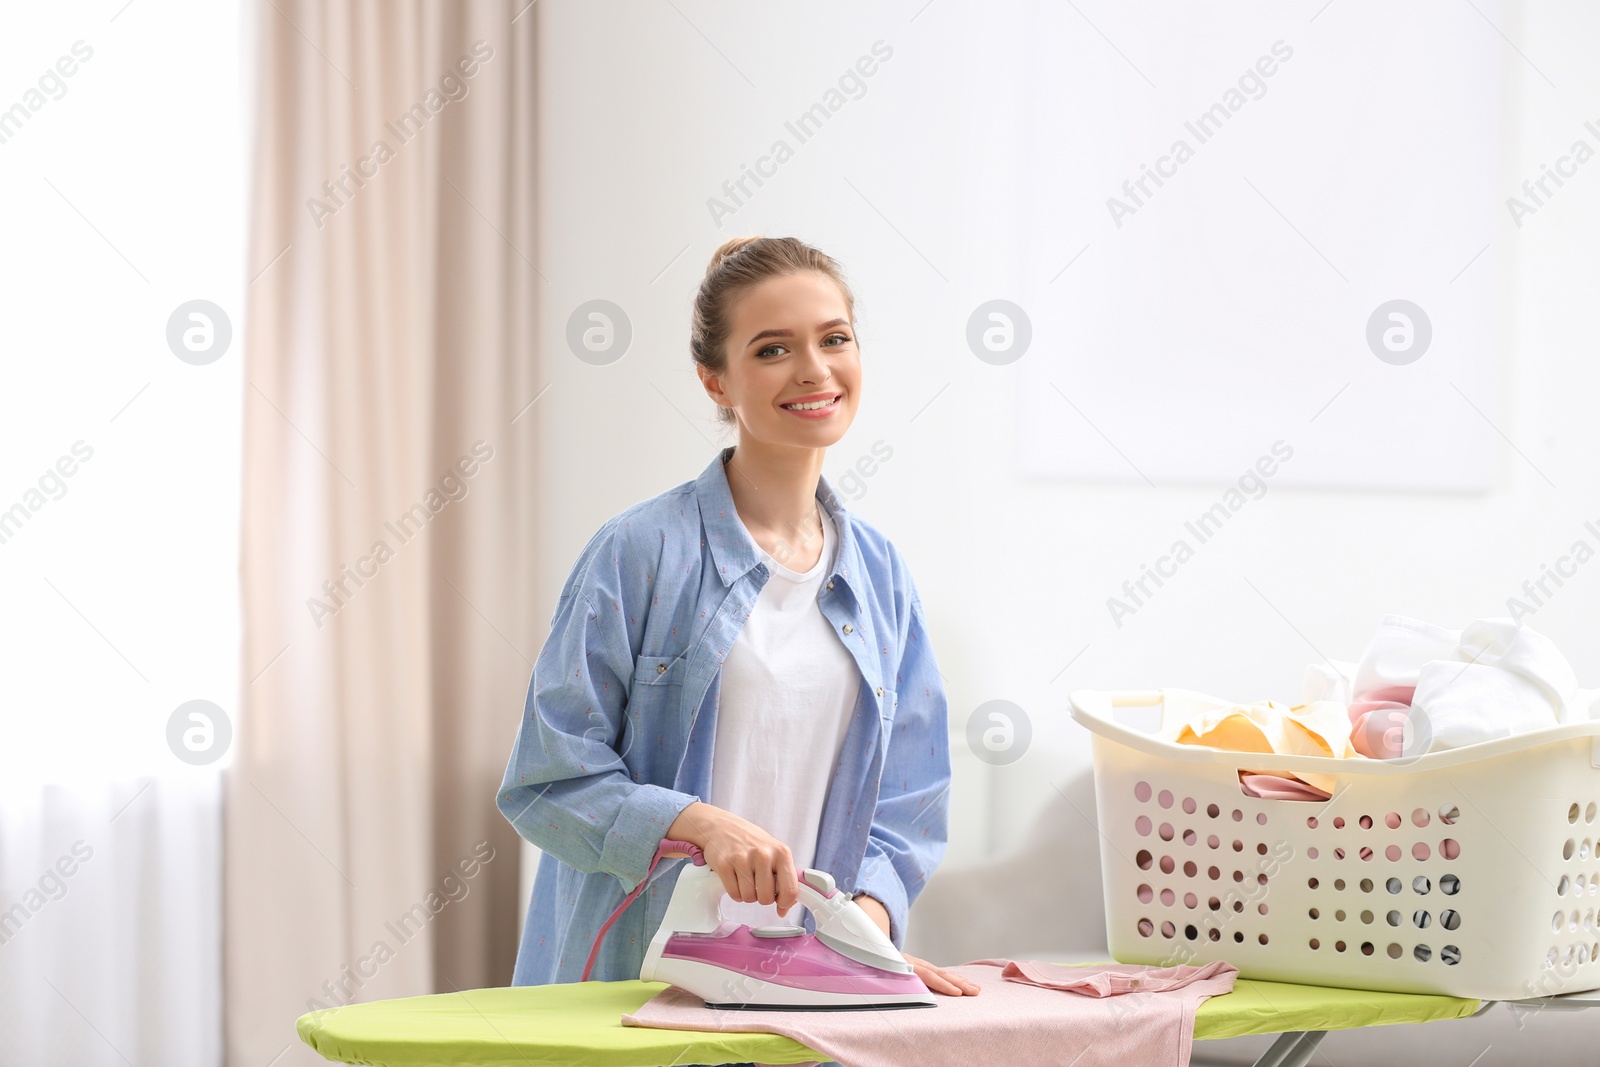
912	187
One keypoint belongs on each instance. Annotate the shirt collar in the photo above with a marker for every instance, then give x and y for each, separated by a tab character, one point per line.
735	552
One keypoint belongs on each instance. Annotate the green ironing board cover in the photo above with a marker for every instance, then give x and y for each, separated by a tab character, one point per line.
581	1023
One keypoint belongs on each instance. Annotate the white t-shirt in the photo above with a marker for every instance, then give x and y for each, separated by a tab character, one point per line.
789	689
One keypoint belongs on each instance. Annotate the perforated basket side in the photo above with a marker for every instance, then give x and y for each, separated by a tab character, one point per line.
1446	881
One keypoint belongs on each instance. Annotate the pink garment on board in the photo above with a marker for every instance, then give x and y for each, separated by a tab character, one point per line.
1028	1012
1112	981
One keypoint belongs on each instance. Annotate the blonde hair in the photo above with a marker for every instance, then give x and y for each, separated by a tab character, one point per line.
737	267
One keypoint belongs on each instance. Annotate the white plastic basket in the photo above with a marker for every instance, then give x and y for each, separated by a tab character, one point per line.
1469	872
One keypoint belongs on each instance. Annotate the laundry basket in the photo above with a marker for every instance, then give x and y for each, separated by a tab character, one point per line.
1468	872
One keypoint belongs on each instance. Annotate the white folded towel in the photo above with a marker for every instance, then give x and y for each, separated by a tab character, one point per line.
1495	678
1397	653
1329	680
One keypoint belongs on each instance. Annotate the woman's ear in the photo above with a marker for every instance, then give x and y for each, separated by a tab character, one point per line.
712	382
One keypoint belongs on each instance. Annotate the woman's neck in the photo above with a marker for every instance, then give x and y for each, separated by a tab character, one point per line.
775	494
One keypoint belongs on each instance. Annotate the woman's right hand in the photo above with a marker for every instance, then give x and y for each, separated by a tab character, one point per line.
755	867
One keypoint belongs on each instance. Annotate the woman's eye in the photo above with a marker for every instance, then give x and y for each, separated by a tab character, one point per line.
841	337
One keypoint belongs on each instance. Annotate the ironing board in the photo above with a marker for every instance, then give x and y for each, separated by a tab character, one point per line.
580	1023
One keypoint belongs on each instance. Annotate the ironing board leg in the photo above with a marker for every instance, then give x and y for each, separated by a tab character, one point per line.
1292	1049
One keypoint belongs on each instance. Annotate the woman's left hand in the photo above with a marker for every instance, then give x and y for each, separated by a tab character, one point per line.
937	979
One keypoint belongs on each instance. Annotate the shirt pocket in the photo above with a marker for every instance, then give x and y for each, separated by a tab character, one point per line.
887	703
653	722
660	670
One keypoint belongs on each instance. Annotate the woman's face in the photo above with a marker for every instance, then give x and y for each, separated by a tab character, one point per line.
791	340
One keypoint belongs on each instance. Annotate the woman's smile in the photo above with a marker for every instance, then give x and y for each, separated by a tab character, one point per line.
815	409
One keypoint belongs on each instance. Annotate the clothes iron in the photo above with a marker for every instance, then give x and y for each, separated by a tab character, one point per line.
847	964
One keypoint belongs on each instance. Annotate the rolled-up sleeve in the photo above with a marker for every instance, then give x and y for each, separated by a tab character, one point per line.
910	825
567	788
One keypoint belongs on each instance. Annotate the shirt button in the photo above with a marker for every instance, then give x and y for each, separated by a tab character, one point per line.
880	690
848	628
661	668
830	583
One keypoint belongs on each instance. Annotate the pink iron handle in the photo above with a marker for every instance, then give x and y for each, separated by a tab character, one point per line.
666	847
688	848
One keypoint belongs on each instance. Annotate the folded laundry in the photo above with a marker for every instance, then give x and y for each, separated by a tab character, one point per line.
1317	728
1328	680
1397	651
1381	726
1027	1012
1419	687
1320	728
1416	688
1280	786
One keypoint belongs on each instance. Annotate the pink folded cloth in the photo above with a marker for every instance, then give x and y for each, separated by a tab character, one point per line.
1028	1012
1279	787
1378	721
1110	981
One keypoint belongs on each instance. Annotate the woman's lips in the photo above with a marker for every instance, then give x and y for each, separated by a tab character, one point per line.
819	413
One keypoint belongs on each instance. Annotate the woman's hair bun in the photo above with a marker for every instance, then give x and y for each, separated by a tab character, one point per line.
728	248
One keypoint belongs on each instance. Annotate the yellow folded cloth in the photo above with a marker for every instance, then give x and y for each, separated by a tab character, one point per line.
1319	728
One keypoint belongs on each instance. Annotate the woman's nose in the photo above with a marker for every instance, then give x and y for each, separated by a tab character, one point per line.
814	365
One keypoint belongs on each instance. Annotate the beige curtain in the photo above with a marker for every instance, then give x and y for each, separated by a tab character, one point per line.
387	511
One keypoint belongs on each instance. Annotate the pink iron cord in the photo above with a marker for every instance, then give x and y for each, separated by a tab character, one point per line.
666	846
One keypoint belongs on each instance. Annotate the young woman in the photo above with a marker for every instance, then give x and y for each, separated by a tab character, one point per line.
738	662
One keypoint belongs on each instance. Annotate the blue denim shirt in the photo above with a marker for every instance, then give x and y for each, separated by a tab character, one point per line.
617	733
